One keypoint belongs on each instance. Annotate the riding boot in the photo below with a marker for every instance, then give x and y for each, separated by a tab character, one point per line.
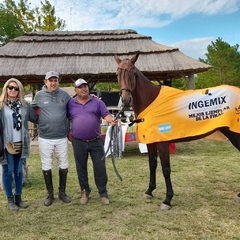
49	185
19	202
62	186
11	204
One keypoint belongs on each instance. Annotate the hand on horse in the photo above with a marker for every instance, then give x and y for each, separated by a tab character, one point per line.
95	96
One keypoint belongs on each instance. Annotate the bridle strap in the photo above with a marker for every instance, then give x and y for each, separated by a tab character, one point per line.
136	121
127	88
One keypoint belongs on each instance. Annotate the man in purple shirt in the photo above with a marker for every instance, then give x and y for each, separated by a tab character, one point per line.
85	113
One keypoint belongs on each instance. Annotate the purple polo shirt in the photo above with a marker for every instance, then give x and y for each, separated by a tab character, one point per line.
85	118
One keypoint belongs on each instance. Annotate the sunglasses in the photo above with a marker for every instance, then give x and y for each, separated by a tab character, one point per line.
12	87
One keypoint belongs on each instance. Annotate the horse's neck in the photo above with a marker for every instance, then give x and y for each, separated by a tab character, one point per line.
144	94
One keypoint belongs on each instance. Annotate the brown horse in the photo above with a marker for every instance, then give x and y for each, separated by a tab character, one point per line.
139	93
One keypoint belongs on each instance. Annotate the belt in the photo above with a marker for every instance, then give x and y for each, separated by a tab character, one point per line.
90	140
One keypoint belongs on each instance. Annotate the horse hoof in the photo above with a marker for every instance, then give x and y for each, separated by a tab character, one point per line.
165	207
146	196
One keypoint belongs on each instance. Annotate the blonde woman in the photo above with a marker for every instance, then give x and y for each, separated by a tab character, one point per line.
15	113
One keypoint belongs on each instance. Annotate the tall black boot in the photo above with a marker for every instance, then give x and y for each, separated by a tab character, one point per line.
62	186
11	204
49	185
19	202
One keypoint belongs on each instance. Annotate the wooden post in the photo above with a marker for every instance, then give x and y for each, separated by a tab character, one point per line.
191	81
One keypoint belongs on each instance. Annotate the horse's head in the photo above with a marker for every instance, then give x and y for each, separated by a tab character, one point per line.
126	75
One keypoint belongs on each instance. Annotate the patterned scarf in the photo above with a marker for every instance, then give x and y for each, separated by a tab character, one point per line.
17	118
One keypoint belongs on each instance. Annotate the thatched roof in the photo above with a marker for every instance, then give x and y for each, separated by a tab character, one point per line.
89	55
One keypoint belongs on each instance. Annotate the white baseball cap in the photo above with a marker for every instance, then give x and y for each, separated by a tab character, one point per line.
79	82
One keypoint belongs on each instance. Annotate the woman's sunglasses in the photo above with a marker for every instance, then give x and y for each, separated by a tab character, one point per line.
12	87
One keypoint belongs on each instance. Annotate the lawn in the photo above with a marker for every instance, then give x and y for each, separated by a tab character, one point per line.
205	177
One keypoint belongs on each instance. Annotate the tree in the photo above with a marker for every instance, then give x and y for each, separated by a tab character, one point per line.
46	20
225	60
9	26
17	19
110	87
180	83
24	13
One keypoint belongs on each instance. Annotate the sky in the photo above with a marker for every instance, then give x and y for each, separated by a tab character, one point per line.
190	25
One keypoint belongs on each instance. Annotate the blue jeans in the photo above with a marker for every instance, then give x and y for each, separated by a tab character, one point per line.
96	150
13	167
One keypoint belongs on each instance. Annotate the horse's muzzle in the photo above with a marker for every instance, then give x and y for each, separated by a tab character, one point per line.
127	102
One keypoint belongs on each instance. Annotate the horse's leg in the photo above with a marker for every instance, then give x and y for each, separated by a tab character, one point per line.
152	159
234	138
163	151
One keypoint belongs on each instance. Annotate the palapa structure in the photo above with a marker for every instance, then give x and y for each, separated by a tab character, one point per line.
90	55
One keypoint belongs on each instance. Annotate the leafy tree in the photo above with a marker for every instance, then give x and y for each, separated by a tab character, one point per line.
111	87
180	83
20	18
9	26
47	20
24	13
225	60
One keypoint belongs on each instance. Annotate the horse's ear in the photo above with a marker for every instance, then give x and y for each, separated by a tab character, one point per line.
117	59
135	57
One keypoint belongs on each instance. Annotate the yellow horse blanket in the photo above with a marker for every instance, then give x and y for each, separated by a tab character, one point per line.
177	114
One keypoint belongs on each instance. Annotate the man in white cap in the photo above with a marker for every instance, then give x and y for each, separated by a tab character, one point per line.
51	104
85	112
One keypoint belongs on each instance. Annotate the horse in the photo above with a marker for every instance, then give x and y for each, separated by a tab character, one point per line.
138	92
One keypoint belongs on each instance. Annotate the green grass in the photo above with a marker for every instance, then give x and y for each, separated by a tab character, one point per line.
205	177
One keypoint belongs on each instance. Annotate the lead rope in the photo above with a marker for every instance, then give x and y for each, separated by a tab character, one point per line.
113	146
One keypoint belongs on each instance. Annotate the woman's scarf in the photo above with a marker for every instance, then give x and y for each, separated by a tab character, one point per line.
17	118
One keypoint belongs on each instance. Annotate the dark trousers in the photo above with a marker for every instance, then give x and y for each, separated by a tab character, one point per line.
82	150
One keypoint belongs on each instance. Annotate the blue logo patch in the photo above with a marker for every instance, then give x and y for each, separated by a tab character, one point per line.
165	128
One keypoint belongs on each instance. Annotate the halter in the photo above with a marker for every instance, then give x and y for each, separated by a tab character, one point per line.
127	88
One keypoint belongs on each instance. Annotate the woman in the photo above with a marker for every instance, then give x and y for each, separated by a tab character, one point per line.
15	113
